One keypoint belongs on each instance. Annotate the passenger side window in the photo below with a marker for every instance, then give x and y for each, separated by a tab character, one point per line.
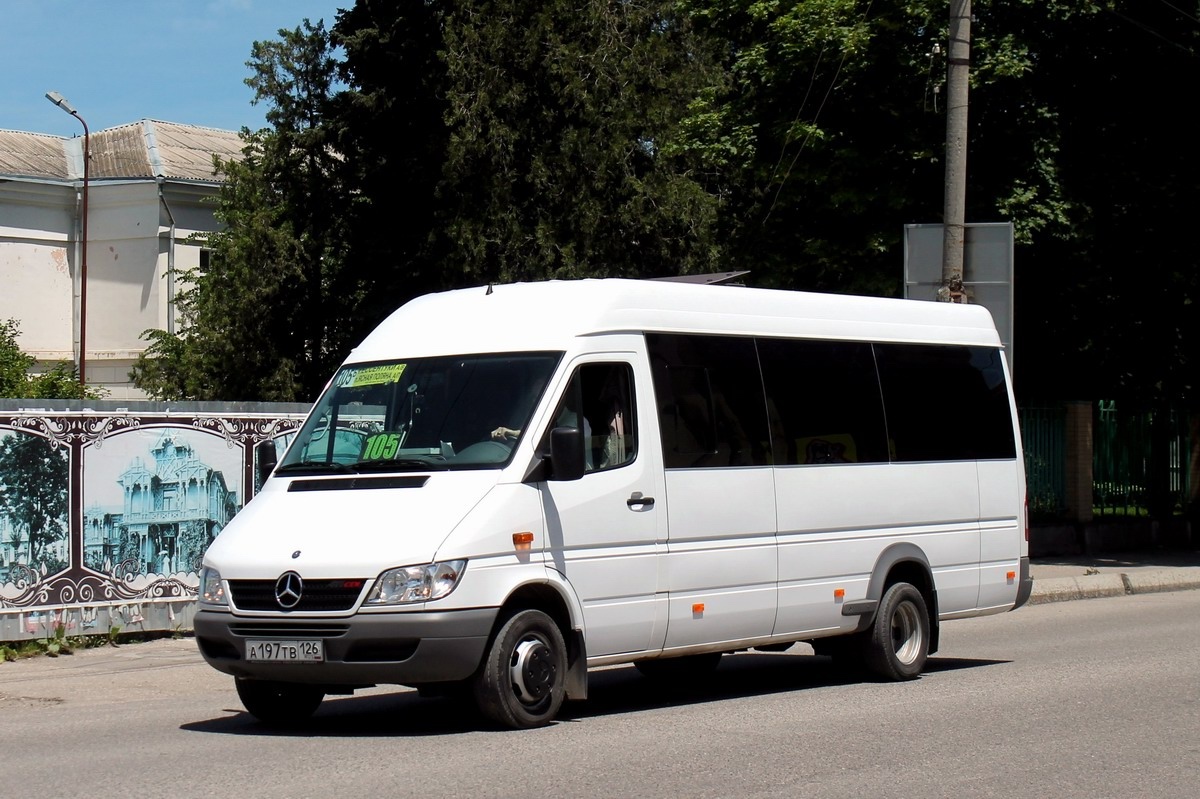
710	401
604	393
945	403
823	401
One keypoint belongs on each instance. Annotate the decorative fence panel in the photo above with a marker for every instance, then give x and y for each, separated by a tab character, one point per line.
1043	434
106	511
1132	450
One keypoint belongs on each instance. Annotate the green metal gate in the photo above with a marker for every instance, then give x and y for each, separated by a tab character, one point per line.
1043	434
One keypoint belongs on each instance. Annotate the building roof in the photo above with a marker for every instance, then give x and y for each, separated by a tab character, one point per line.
140	150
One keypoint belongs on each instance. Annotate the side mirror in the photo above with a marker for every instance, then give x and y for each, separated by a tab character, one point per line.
264	455
566	453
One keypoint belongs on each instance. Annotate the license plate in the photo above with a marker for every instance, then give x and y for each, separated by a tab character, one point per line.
285	651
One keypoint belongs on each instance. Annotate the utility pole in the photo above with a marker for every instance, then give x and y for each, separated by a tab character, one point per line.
953	228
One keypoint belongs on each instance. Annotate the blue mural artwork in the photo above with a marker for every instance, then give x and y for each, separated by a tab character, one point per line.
104	518
34	528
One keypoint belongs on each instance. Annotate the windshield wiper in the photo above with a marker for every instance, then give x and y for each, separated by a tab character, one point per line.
312	466
399	464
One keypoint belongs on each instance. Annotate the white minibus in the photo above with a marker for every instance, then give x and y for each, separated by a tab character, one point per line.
505	486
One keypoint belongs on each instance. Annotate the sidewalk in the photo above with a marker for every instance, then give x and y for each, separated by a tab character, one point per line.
1059	579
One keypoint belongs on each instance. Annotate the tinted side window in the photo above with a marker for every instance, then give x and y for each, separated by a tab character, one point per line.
710	400
608	422
823	401
945	403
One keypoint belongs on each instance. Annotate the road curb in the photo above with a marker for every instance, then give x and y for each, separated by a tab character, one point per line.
1092	586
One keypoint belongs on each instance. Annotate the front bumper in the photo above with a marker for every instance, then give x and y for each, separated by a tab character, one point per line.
367	649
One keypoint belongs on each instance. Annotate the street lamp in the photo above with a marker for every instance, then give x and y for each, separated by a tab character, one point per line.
62	103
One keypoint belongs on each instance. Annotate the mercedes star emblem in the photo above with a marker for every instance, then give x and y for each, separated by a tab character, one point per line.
288	589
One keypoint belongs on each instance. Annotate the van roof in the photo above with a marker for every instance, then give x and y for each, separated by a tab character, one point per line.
547	315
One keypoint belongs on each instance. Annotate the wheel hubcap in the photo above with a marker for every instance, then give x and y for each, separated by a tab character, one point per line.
906	633
532	670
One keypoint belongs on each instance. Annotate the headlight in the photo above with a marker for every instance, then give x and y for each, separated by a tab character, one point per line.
416	583
212	589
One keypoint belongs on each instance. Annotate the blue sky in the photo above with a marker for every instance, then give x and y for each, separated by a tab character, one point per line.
118	61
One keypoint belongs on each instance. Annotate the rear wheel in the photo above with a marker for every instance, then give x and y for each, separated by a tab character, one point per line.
278	702
899	642
522	682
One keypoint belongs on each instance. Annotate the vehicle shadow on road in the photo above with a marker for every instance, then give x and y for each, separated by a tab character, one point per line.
748	674
621	689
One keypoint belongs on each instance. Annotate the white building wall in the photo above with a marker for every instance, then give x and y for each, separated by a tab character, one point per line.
37	266
129	284
124	292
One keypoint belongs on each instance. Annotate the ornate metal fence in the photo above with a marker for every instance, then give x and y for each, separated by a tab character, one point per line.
106	508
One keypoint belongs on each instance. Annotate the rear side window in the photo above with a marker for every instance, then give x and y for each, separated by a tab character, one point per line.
710	400
823	402
945	403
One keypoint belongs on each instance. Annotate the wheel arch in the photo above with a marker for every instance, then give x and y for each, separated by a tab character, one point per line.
549	598
904	563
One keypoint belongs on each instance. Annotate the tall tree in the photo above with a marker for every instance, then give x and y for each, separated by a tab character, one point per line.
1111	303
267	320
561	119
830	126
390	130
530	140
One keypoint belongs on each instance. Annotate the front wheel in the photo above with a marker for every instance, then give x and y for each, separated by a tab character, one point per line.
899	637
278	702
522	682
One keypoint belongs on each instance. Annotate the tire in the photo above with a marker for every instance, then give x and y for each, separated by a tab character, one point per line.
278	702
899	637
688	669
522	682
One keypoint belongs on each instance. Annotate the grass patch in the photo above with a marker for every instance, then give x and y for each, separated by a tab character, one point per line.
60	643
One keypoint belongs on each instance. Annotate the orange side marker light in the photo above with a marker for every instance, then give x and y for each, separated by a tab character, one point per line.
1012	576
839	594
522	541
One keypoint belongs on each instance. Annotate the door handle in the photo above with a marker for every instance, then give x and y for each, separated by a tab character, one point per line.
636	499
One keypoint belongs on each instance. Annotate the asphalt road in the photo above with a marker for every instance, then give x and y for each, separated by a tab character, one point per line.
1099	698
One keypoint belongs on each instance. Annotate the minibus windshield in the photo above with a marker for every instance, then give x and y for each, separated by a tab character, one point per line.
447	412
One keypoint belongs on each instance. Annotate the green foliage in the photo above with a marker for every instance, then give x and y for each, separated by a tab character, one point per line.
269	319
16	382
423	146
14	364
557	164
59	643
1111	278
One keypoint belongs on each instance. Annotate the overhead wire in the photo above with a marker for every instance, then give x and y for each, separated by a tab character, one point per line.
808	136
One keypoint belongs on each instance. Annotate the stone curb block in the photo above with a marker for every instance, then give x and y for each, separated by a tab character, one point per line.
1162	580
1064	589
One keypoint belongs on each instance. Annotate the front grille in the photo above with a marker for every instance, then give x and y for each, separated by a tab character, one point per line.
317	596
269	630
